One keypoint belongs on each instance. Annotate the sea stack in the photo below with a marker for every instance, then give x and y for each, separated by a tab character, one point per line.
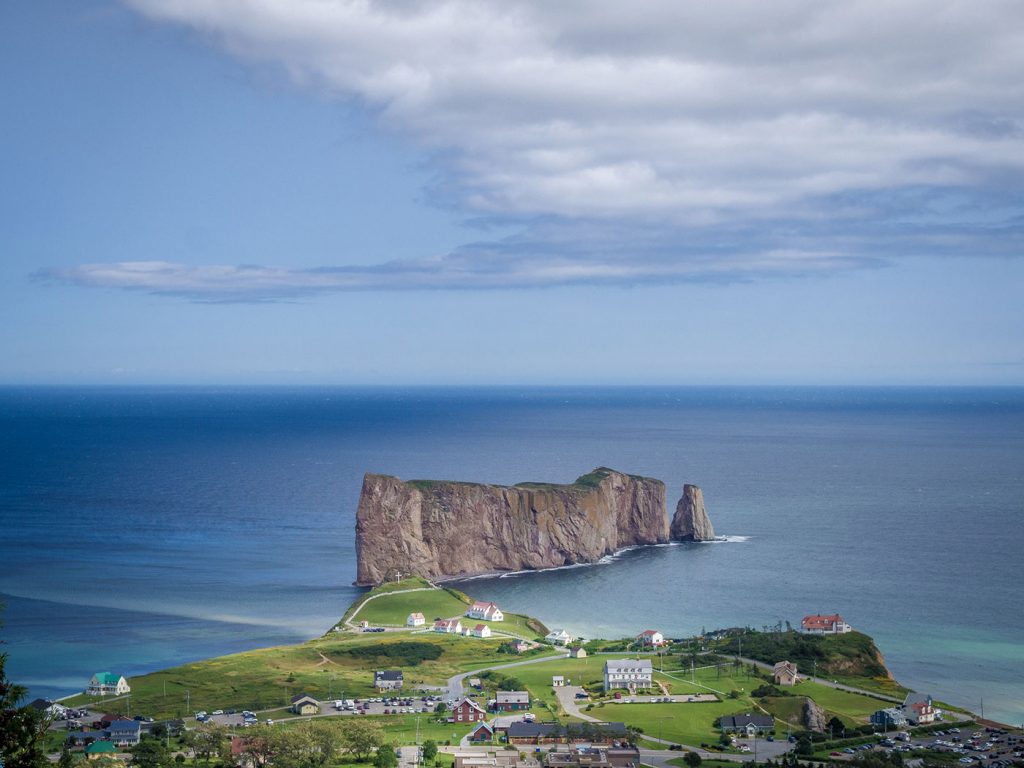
439	529
691	522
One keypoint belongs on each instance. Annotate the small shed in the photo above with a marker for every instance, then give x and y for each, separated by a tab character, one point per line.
304	704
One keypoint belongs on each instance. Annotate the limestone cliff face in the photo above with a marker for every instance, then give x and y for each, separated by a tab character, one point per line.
691	522
444	529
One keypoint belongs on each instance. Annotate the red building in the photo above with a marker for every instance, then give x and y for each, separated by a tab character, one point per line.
468	711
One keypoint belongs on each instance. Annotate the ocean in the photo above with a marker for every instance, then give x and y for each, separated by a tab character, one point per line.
147	527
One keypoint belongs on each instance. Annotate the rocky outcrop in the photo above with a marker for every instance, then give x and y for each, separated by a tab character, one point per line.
691	523
813	717
445	529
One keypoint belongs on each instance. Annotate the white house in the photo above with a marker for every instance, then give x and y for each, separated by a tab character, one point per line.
819	624
784	673
481	630
558	637
415	620
631	674
652	638
107	684
557	681
485	611
448	626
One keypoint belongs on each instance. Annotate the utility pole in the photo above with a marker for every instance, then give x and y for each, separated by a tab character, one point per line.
188	702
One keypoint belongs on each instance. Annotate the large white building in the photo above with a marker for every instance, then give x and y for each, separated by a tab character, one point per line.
631	674
107	684
485	611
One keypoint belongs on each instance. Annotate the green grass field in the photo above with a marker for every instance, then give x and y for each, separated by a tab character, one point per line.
392	610
324	668
854	706
682	723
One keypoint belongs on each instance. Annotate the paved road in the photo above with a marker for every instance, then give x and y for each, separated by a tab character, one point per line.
454	686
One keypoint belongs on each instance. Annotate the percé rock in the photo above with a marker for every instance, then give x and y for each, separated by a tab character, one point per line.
813	717
441	529
691	522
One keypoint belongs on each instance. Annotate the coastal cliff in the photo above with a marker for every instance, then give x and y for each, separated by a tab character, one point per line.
691	522
439	529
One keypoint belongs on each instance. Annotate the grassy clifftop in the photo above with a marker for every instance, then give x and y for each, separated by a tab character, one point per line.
849	657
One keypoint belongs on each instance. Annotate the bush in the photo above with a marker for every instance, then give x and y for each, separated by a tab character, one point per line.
405	653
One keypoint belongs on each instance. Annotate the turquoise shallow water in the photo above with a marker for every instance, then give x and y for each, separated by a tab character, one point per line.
176	524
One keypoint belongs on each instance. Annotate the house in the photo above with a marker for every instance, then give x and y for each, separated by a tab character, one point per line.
558	637
483	732
892	717
304	704
557	681
83	737
785	673
98	749
107	684
125	733
520	646
415	620
475	682
511	701
485	611
577	652
819	624
449	626
751	725
481	630
467	711
631	674
918	709
107	720
572	733
651	638
388	680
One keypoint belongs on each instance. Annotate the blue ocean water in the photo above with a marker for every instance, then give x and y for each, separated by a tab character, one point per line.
146	527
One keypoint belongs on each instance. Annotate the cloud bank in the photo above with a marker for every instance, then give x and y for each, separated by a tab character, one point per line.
781	137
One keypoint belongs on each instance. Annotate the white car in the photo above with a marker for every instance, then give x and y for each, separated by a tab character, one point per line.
217	712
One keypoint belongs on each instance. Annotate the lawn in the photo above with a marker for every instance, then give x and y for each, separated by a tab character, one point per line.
851	705
682	723
323	668
393	609
787	708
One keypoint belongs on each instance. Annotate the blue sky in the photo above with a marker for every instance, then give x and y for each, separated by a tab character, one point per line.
254	191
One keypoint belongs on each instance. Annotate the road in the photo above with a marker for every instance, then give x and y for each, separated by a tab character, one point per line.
454	687
348	621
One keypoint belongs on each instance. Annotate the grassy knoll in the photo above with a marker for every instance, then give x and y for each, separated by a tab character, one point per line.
851	705
390	606
393	609
682	723
269	677
789	709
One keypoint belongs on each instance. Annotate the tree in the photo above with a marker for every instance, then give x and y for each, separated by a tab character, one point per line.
429	750
150	753
692	759
725	739
804	747
441	707
206	741
386	757
836	726
21	728
360	737
67	760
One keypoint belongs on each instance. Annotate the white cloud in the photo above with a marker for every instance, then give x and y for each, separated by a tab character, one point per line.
675	110
653	141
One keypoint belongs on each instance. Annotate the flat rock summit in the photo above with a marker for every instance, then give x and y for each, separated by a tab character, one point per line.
445	529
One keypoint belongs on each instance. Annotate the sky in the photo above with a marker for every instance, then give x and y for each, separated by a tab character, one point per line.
432	191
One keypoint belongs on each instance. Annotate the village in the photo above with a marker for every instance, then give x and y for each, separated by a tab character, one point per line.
488	689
